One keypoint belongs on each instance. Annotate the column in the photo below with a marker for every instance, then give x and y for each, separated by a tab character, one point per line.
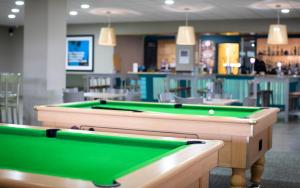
44	54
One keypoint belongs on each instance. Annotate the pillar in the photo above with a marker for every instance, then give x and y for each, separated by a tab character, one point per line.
44	54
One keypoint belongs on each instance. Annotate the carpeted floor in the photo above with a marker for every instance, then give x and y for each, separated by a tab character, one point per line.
282	170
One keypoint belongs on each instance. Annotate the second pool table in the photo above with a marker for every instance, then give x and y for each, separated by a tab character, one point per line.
246	131
33	157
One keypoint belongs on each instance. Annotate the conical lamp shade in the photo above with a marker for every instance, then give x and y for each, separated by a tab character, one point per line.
277	34
107	37
186	35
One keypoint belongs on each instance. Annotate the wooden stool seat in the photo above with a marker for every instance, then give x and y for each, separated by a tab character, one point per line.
294	100
295	94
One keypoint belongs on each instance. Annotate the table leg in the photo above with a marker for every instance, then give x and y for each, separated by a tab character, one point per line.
287	99
204	181
238	179
257	170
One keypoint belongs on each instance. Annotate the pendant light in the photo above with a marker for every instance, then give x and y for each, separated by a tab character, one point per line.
186	34
107	34
277	32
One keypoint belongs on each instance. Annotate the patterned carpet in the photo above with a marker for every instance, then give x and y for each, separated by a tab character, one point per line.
282	170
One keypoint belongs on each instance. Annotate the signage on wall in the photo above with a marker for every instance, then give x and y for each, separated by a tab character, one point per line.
207	53
80	53
184	56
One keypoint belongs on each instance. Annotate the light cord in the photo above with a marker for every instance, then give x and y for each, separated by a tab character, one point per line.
278	14
109	18
186	16
278	17
186	19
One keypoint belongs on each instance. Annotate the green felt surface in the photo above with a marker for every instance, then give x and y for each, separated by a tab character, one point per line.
97	158
224	111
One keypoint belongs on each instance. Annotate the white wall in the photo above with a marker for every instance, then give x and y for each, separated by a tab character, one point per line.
103	56
4	50
11	50
16	54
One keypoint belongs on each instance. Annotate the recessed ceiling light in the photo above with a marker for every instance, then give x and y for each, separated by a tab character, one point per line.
85	6
20	3
73	13
15	10
169	2
285	11
11	16
253	45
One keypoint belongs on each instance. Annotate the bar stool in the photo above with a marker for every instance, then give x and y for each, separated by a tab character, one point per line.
202	92
218	86
250	100
130	83
182	89
250	88
294	101
266	97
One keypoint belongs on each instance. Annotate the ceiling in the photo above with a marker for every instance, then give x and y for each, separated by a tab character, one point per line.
156	10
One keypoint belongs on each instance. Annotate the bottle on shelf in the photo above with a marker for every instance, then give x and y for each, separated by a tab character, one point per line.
289	69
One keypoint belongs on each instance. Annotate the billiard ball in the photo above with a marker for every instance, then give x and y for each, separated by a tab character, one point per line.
211	112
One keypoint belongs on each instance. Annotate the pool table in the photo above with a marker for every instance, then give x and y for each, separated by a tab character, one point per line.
246	131
34	157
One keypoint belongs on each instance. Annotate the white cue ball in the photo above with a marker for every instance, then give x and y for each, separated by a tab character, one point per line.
211	112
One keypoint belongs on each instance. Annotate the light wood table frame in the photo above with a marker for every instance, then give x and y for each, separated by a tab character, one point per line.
246	139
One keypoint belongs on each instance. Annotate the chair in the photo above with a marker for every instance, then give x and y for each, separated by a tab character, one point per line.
218	86
10	96
166	97
72	95
190	100
133	96
130	83
249	101
129	95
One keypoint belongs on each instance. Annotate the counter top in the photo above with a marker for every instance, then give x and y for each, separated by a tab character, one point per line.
211	75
